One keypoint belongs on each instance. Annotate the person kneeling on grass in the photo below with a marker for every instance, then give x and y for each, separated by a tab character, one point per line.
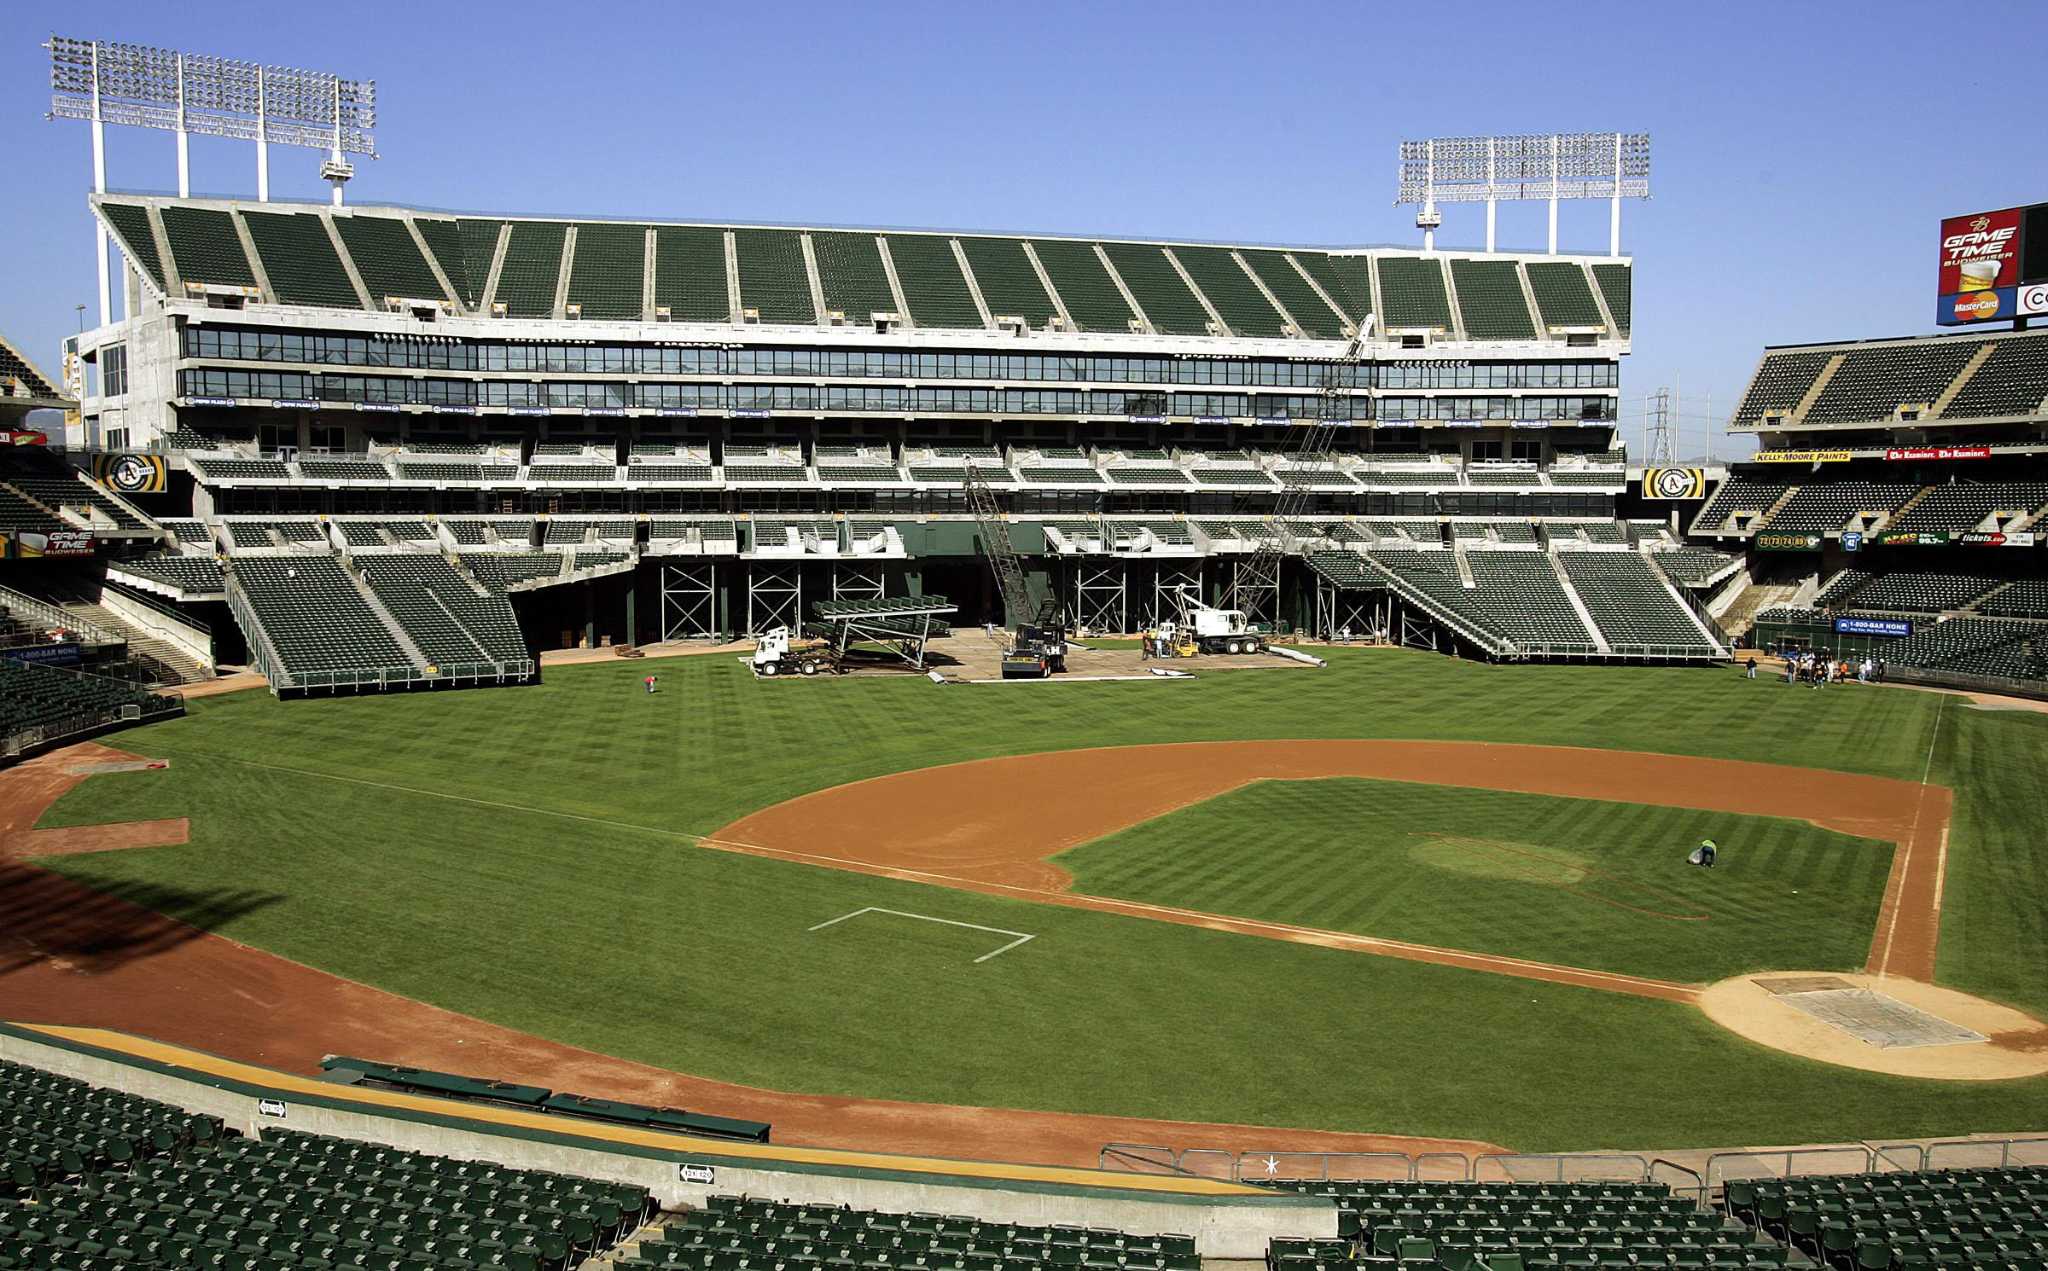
1703	855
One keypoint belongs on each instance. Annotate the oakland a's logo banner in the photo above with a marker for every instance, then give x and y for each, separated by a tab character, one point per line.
130	474
1676	485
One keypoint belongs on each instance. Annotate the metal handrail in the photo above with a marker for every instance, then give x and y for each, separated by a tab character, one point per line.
56	616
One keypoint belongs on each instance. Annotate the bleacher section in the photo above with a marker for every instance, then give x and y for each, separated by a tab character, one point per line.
2012	381
1158	288
1490	300
387	258
39	704
609	268
1311	314
532	268
1009	285
206	248
1085	287
1412	293
773	280
1521	595
1562	295
442	611
131	229
689	273
1826	507
312	615
932	283
299	259
1737	494
196	574
745	1232
1244	308
1954	508
1872	383
1346	279
1531	1225
1781	383
1976	646
1967	1217
1616	288
1914	592
96	1180
1630	601
851	276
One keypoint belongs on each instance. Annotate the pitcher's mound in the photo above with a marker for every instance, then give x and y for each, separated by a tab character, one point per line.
1881	1024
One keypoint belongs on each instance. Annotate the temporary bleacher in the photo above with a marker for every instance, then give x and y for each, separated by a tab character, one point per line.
1631	602
1520	592
310	613
450	618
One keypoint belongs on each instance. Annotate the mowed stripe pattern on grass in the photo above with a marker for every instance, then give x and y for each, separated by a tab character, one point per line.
632	943
1578	882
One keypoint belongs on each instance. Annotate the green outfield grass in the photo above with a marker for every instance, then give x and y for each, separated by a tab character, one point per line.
522	855
1575	881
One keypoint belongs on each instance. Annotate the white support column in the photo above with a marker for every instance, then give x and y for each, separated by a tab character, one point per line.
184	141
1489	195
262	142
1553	196
334	146
99	186
1614	204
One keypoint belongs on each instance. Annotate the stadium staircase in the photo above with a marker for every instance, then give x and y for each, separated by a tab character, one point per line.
1819	386
1919	496
173	666
1571	593
396	629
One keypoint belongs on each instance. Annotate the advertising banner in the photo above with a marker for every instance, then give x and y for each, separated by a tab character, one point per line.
130	474
27	544
1784	542
1989	269
22	437
1802	456
1675	485
1913	538
1994	538
54	653
1873	626
1919	453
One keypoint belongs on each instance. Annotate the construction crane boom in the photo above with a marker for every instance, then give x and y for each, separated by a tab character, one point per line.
1256	583
1002	553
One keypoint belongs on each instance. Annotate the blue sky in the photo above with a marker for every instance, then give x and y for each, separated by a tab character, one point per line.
1804	153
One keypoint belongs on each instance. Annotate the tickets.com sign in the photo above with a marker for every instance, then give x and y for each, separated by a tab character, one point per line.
1993	266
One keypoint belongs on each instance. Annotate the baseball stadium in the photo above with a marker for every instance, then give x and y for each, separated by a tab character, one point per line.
571	742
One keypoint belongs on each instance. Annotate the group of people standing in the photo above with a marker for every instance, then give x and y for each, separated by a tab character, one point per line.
1804	666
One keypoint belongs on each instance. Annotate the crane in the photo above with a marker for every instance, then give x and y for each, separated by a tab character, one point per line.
1257	578
1032	645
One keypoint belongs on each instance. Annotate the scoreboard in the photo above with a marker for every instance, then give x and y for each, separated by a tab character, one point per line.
1994	266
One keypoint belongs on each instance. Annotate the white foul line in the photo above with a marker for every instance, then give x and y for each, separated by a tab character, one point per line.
898	913
1891	929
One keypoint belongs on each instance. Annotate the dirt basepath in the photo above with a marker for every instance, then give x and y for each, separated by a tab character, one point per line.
71	955
992	825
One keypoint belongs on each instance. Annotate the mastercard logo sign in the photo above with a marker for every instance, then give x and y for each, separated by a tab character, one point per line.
1976	306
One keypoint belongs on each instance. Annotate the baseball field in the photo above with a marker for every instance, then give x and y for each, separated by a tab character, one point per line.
1220	900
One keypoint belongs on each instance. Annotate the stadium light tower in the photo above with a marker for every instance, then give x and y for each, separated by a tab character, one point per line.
1551	166
185	93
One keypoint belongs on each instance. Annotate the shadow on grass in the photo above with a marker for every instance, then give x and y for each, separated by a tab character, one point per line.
45	918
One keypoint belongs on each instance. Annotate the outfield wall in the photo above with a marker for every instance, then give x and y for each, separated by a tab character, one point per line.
1227	1220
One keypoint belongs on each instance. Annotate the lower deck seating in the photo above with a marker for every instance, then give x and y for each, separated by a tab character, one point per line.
1976	646
54	702
94	1180
1977	1218
500	570
735	1231
314	617
1542	1225
1526	600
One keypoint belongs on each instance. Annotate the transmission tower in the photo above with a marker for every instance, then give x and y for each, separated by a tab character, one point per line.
1657	428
